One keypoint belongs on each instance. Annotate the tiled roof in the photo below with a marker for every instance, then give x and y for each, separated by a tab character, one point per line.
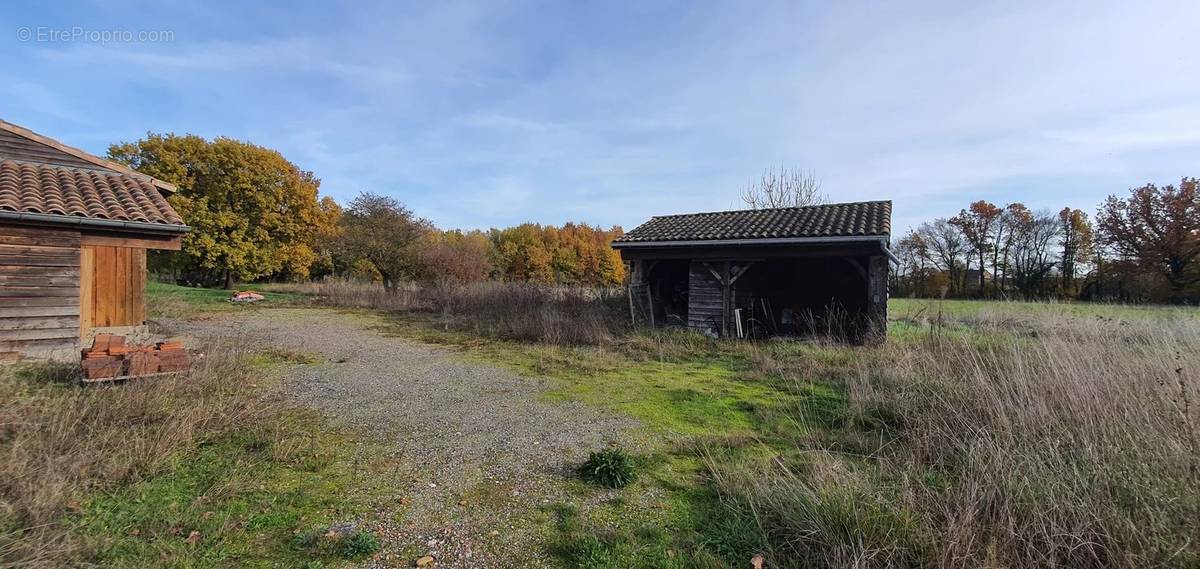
830	220
82	192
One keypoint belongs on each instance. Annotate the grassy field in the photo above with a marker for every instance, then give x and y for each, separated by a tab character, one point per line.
172	301
195	471
982	434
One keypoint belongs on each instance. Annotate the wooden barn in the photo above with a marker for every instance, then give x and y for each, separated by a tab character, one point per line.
74	230
765	272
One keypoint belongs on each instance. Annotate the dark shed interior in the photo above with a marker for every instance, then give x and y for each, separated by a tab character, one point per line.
763	273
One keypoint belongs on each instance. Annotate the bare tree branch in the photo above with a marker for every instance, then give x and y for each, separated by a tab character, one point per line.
785	187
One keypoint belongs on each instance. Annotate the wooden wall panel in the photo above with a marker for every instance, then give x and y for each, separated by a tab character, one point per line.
704	299
112	287
39	291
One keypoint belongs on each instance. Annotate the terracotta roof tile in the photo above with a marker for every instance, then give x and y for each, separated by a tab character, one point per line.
829	220
81	192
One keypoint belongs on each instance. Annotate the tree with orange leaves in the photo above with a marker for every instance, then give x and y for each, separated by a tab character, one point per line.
976	223
1160	229
1076	244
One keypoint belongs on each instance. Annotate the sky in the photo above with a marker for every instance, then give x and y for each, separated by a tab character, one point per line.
489	114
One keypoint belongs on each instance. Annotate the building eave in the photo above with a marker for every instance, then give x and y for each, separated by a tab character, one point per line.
91	222
882	240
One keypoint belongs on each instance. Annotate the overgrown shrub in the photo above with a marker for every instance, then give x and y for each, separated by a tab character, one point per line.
518	311
611	468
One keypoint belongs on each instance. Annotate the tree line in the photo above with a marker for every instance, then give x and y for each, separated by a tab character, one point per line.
255	216
1143	247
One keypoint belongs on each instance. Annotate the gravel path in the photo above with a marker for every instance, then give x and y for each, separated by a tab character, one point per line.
478	449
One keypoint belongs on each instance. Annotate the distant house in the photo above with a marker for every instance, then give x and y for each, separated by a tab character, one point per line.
74	230
764	272
971	280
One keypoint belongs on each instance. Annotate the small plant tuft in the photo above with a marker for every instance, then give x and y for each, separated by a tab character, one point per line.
611	468
359	544
340	540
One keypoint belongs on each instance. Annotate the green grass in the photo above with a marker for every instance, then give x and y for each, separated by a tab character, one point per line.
238	499
958	309
698	400
244	498
180	301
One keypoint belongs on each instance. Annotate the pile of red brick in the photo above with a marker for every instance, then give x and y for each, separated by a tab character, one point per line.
109	357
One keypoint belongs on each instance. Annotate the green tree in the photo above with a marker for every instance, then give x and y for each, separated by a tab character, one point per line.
253	213
381	230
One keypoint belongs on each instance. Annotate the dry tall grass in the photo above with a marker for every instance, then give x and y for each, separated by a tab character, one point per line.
58	440
1070	443
520	311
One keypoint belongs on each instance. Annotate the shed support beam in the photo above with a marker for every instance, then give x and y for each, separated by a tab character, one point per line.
877	297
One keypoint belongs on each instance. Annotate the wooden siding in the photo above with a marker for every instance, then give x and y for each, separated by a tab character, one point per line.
16	147
113	287
704	298
39	290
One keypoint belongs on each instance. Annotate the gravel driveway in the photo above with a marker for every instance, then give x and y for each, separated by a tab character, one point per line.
479	450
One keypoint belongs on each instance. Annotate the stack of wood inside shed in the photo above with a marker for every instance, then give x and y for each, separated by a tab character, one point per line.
110	358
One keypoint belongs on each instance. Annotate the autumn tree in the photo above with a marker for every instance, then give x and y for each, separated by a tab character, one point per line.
381	230
574	254
976	223
1159	228
785	187
456	256
1076	237
253	213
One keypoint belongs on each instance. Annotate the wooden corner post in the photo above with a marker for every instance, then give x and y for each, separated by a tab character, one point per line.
877	297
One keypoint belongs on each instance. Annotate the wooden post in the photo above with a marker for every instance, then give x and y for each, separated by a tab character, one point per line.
877	297
725	299
650	303
633	277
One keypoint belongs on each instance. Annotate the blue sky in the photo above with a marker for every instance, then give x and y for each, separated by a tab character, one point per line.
480	114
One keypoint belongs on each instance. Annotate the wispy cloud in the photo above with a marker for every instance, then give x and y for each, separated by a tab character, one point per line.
482	114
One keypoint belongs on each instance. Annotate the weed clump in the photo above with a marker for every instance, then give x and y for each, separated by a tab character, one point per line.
338	540
611	468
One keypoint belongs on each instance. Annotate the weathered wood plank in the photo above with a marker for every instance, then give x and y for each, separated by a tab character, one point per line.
38	291
13	270
40	240
32	345
87	286
40	260
25	311
168	243
40	232
40	301
40	334
31	250
137	287
39	280
32	323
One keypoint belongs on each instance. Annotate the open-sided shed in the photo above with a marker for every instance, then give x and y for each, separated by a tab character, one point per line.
764	272
74	230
